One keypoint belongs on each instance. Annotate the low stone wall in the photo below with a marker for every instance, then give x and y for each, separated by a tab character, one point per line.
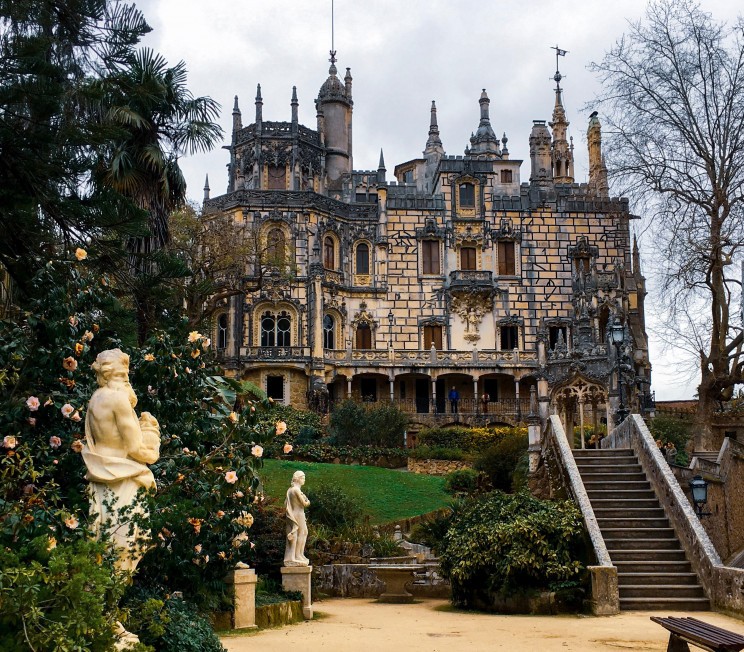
436	467
278	614
723	585
360	581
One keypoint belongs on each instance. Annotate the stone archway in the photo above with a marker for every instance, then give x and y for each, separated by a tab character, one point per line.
575	396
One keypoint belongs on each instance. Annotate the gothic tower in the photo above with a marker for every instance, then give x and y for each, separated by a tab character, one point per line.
334	104
562	152
597	168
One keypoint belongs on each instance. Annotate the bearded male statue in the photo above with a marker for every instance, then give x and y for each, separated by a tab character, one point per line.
118	448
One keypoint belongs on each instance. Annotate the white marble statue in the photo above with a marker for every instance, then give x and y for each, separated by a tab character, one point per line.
294	553
118	448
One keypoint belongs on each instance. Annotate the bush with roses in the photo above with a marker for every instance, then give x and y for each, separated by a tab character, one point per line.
211	449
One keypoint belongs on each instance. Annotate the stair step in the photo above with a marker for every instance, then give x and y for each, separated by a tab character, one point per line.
638	533
603	452
654	566
661	591
657	578
653	556
630	522
620	496
615	476
631	504
608	468
617	485
666	543
665	604
623	512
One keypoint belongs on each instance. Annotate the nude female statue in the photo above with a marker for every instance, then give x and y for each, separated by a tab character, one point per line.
294	553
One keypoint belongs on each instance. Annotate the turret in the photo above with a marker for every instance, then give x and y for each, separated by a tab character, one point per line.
597	169
484	141
335	105
206	188
434	150
295	104
541	172
259	108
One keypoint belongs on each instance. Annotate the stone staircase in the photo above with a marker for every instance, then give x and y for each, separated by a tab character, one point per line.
653	572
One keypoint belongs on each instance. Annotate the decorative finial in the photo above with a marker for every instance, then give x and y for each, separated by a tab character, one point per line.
206	188
236	108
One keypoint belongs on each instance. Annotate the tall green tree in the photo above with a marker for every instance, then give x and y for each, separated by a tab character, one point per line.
673	105
53	58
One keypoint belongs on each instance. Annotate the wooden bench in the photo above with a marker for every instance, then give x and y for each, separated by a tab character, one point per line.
701	634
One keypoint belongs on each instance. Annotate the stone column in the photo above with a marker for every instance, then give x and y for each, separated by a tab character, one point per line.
348	387
476	397
516	396
392	388
434	392
298	578
243	581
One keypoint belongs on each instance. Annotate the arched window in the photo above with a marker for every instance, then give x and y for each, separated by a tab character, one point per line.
275	247
222	331
329	339
467	195
329	253
276	330
363	336
362	258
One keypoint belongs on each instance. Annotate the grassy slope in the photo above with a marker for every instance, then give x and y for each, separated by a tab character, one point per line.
387	495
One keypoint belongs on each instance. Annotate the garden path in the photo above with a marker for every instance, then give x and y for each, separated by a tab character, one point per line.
363	625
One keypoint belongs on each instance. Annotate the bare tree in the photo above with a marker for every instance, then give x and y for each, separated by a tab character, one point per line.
673	104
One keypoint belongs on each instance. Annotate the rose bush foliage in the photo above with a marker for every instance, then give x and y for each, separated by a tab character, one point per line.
206	475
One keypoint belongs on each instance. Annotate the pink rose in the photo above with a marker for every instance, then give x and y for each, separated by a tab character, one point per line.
77	446
81	254
231	477
69	363
71	522
281	428
32	403
9	441
257	451
67	410
76	417
55	442
287	448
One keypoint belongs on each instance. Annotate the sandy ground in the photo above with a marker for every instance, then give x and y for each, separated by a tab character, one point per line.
364	625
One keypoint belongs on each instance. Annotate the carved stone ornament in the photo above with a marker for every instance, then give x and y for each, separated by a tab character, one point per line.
363	316
470	306
506	231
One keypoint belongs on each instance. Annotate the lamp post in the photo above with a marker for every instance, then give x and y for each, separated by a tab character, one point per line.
391	318
617	335
699	490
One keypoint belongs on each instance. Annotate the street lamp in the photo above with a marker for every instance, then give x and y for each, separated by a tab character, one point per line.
699	490
617	336
391	318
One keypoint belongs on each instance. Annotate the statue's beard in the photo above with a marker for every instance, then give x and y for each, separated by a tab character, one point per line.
125	386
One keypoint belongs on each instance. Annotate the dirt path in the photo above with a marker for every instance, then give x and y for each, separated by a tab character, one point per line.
363	625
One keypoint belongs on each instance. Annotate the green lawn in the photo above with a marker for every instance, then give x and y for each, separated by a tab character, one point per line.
387	495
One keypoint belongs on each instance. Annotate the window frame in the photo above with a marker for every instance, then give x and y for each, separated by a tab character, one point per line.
329	252
368	259
469	186
363	327
503	261
329	334
471	264
432	334
428	262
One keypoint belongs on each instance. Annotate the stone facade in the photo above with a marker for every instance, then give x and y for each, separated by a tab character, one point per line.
457	274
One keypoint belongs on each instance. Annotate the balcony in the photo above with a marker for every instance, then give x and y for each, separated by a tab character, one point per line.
471	278
260	353
429	358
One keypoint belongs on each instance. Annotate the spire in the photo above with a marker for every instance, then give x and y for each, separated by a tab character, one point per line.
433	141
347	83
504	150
562	153
636	256
236	116
294	104
259	106
381	169
484	140
206	185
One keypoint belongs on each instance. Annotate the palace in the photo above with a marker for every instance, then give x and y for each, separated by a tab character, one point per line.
459	273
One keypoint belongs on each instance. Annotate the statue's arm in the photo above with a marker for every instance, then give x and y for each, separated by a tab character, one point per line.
127	424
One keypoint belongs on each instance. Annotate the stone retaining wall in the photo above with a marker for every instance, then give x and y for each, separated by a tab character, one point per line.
360	581
278	614
436	467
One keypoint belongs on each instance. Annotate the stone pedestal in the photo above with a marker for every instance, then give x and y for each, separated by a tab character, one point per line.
298	578
395	577
244	605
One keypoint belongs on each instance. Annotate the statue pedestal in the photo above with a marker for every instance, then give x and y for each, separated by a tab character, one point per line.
298	578
244	605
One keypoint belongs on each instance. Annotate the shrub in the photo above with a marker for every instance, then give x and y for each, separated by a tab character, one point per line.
352	424
505	463
501	544
431	530
467	439
63	597
170	624
426	452
300	423
463	481
332	507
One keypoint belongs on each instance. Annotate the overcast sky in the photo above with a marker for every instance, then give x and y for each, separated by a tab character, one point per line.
402	55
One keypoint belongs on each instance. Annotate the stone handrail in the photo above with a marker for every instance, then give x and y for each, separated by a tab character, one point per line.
723	585
605	595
